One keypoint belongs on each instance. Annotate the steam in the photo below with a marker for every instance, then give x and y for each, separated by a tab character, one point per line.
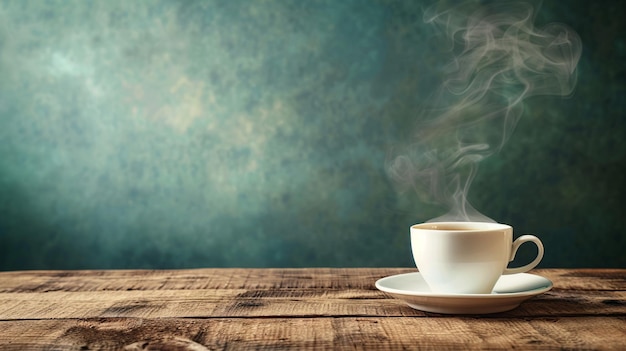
499	59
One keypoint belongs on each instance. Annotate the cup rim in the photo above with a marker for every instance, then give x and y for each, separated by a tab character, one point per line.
463	227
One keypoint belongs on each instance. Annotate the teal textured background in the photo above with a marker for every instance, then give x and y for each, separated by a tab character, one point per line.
170	134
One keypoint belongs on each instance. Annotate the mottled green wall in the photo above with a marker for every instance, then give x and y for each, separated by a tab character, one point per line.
254	133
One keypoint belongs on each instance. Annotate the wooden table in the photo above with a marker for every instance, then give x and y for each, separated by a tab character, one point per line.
318	308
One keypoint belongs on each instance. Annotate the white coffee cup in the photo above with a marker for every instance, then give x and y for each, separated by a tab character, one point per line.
467	257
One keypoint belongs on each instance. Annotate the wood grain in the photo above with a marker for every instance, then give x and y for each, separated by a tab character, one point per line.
278	302
441	333
327	278
317	308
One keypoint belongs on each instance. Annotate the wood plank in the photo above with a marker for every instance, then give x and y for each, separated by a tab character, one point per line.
237	278
446	333
260	292
221	278
273	303
586	279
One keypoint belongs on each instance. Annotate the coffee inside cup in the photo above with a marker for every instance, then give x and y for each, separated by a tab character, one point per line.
462	226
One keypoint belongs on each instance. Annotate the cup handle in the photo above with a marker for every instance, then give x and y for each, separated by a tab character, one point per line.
516	244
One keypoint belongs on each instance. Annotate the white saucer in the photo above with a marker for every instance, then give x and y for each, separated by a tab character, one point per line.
510	291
